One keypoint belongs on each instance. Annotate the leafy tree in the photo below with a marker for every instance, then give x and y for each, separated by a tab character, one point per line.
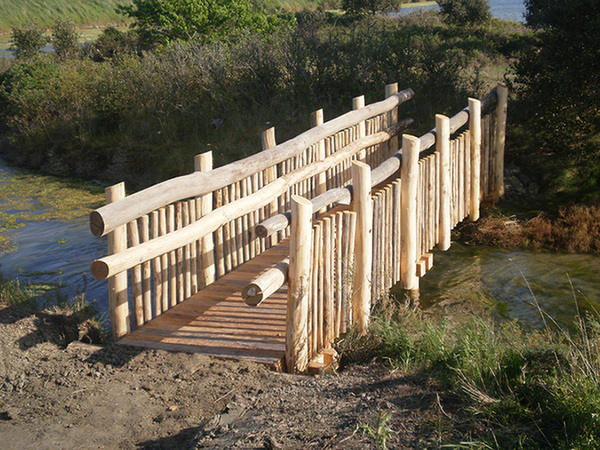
64	38
560	76
169	20
465	11
26	42
366	7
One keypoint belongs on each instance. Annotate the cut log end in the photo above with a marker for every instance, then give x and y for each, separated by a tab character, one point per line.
99	270
261	231
252	295
96	224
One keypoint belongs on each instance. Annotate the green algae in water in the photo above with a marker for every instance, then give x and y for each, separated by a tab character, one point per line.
26	197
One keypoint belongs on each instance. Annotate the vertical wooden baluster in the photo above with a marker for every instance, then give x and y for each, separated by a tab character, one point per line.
296	354
409	176
363	206
204	163
179	254
136	277
117	285
165	260
475	140
443	149
315	294
195	264
358	103
146	271
157	270
501	111
392	119
339	255
172	258
187	253
246	230
327	283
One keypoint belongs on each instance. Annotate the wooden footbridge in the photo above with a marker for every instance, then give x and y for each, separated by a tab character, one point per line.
272	257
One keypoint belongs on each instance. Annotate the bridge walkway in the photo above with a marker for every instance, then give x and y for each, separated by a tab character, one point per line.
215	321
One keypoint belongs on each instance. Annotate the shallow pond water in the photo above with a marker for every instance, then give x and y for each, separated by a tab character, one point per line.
501	9
516	284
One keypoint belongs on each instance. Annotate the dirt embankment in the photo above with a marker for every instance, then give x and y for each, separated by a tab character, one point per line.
56	395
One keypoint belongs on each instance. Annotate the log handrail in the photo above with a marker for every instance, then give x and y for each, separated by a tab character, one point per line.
107	218
111	265
343	195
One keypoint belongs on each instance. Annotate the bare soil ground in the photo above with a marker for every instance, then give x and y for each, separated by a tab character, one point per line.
55	393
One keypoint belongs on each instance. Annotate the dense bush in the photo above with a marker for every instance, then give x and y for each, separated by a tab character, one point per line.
206	20
64	39
362	7
465	11
27	41
142	117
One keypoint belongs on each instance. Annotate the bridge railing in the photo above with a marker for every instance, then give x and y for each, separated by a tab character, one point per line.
170	240
356	253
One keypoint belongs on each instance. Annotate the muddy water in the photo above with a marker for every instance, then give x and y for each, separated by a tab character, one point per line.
516	285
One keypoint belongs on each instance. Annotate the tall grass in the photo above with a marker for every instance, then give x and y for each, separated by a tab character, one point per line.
44	13
538	389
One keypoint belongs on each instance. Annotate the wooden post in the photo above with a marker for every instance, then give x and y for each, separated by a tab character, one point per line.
392	89
442	143
363	261
268	141
204	163
501	110
296	345
357	103
117	285
409	176
475	129
316	119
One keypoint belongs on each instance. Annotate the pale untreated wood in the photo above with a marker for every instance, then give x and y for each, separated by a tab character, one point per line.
109	217
358	103
475	144
110	265
157	270
363	206
392	89
296	348
163	229
501	112
409	178
316	119
266	284
327	256
117	285
136	278
443	149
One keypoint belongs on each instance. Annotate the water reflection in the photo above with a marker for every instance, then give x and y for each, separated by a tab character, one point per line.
519	285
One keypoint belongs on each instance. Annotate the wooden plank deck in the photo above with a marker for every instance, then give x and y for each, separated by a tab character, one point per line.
216	321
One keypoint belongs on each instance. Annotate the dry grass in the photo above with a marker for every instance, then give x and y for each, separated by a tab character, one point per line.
573	229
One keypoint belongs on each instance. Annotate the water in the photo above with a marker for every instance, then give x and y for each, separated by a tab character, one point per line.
501	9
516	284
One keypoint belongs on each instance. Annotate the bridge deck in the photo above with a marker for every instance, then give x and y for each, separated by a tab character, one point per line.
216	321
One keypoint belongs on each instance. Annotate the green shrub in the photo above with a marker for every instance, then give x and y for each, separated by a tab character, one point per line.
365	7
465	11
169	20
65	39
27	41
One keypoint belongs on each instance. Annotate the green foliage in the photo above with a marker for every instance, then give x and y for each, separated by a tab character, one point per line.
64	38
558	110
532	390
465	11
365	7
142	117
27	41
169	20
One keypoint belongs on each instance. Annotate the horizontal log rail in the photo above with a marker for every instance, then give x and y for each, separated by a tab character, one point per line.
273	279
113	215
343	195
114	264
